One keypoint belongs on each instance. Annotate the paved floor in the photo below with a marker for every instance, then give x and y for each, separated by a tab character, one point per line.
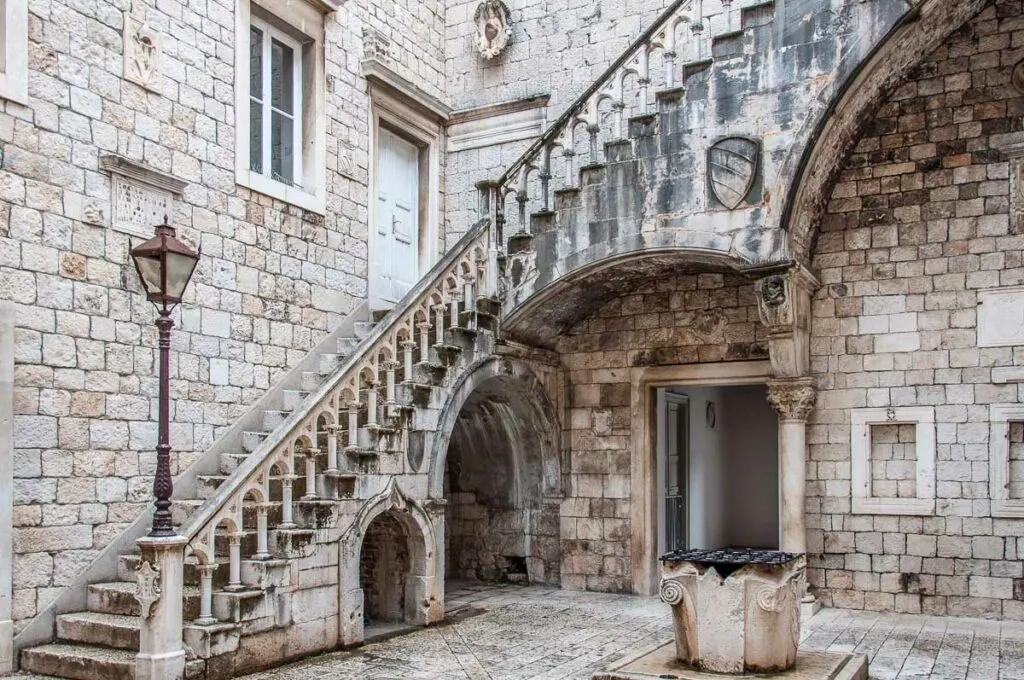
546	634
535	633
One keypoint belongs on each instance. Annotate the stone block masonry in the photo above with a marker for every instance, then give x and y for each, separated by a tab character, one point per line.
686	319
273	279
917	225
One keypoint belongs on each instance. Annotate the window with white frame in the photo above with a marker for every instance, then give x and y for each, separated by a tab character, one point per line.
1006	460
14	50
275	104
280	101
892	456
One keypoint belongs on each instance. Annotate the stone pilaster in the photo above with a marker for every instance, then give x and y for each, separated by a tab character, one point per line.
160	592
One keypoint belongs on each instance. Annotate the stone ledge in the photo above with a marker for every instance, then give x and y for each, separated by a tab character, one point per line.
660	662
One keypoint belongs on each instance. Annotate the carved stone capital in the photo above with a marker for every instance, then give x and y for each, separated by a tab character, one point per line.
793	398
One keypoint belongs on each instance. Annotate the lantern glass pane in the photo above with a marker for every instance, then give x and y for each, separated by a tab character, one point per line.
149	267
179	271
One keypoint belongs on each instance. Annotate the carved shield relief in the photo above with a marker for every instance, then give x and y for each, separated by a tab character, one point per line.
733	169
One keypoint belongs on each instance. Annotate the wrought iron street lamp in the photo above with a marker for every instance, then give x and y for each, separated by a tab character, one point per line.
165	266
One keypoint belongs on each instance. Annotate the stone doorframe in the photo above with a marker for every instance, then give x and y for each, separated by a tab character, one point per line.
424	590
643	488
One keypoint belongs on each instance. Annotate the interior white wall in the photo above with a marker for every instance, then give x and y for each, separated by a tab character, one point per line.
734	468
752	452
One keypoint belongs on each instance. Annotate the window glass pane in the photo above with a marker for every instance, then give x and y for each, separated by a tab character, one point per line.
282	143
255	136
255	62
282	73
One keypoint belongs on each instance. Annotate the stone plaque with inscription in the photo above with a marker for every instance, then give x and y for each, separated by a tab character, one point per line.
138	208
1001	317
140	196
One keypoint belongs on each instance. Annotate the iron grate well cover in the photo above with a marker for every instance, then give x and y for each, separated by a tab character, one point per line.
731	556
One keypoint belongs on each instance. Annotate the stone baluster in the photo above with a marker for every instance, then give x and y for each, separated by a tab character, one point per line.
389	381
455	299
594	129
424	341
310	455
570	172
668	54
262	553
468	284
287	522
333	432
727	10
618	109
235	561
697	27
643	78
353	424
371	404
439	324
408	347
206	572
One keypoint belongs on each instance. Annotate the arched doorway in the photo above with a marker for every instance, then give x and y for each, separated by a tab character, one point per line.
501	481
384	565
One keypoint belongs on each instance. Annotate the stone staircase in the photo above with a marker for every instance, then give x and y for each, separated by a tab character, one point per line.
255	522
101	642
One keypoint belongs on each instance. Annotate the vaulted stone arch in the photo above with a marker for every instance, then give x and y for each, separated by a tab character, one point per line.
812	170
497	451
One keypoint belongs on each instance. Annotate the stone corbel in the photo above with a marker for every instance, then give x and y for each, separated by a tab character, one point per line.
784	305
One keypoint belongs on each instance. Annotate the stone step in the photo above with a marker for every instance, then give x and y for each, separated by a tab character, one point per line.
97	628
229	462
80	662
329	362
310	381
118	597
347	345
272	419
207	485
362	328
183	509
252	440
291	399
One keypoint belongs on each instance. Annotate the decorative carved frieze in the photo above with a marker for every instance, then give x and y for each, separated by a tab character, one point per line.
793	398
142	52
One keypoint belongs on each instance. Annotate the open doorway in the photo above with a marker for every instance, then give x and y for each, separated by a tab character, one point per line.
717	468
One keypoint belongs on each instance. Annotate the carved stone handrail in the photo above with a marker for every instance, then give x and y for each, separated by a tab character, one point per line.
465	273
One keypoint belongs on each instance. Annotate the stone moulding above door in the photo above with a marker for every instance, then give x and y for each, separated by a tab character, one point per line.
375	69
494	124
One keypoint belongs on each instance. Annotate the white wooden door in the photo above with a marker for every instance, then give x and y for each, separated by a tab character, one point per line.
395	266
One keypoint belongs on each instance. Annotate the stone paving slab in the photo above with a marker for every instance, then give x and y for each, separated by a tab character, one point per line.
539	633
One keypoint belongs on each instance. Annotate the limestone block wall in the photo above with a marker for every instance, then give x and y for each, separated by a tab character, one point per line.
272	281
687	319
918	224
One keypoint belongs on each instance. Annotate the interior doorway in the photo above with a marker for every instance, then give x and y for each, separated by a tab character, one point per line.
717	468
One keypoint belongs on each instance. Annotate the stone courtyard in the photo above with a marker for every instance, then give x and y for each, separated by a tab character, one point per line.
539	633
